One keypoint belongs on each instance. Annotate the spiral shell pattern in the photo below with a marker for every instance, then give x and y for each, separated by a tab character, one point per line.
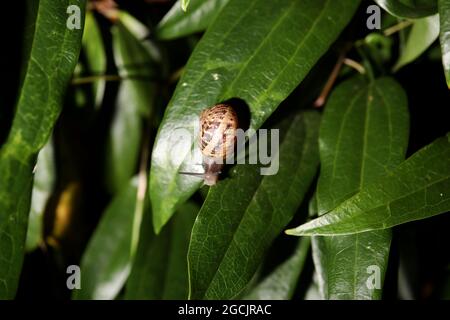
218	126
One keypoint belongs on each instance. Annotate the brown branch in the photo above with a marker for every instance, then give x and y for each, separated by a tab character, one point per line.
320	101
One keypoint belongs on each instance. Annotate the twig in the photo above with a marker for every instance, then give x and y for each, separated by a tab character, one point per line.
89	79
355	65
140	196
396	28
107	8
320	101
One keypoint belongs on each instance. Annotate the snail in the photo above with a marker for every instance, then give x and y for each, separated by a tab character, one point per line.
217	137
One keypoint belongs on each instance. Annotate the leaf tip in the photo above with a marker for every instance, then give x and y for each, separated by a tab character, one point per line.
158	222
292	232
157	226
184	5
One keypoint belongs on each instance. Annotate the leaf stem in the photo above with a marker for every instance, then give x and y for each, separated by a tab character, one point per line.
398	27
320	101
93	78
365	61
140	195
355	65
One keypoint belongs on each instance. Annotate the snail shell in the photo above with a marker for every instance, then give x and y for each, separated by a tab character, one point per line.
217	137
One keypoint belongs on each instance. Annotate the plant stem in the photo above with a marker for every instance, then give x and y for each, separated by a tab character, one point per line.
365	61
396	28
320	101
140	195
355	65
90	79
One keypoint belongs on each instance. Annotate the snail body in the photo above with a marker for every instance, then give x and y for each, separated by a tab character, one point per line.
216	140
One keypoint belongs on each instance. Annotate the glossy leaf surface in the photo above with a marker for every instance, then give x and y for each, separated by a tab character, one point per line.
257	51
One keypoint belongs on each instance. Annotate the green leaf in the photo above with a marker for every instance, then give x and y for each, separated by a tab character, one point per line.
342	264
177	23
242	215
94	50
379	46
160	268
360	114
416	189
424	32
313	293
281	283
357	117
52	60
444	13
43	184
185	4
106	263
409	8
256	50
135	100
141	33
32	8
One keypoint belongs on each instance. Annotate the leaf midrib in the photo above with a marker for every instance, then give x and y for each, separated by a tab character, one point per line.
253	201
173	180
300	46
29	146
246	63
258	49
338	143
387	204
